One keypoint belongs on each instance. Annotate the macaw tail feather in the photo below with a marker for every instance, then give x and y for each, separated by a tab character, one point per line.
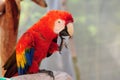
10	66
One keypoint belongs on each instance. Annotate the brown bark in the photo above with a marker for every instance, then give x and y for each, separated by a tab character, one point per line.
2	5
42	3
9	20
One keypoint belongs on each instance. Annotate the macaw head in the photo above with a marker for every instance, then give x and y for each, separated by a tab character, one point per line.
61	22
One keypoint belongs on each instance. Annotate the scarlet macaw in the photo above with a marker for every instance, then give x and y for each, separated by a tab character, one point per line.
39	42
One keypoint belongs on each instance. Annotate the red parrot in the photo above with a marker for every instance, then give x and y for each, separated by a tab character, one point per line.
39	42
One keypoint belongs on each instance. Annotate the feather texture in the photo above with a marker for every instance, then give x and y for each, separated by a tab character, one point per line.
26	61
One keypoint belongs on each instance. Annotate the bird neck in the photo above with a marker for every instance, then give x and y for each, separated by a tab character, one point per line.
44	31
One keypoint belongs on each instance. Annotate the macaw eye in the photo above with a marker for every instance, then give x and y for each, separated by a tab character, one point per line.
59	25
59	21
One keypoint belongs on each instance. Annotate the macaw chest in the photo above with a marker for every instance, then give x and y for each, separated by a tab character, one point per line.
41	48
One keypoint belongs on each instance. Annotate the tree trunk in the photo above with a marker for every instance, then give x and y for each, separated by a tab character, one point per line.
9	20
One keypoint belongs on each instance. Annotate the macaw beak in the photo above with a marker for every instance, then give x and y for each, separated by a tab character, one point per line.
65	34
70	29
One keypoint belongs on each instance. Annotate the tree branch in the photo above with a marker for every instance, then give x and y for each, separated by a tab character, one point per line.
41	3
2	6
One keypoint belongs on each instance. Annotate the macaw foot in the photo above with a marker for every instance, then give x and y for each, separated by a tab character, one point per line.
50	73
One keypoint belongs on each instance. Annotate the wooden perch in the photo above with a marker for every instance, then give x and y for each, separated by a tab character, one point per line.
43	76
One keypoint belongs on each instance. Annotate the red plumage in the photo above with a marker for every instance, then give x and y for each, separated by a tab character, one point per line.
35	44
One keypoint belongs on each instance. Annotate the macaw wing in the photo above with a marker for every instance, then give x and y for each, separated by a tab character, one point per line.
24	52
24	60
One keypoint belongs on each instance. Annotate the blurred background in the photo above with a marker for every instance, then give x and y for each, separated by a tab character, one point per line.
96	41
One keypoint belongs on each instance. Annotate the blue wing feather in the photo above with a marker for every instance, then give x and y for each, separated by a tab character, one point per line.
29	57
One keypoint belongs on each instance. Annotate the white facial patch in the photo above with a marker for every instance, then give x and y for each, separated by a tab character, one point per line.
59	26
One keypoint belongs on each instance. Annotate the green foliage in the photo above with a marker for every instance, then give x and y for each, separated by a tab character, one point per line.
82	19
92	29
74	1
